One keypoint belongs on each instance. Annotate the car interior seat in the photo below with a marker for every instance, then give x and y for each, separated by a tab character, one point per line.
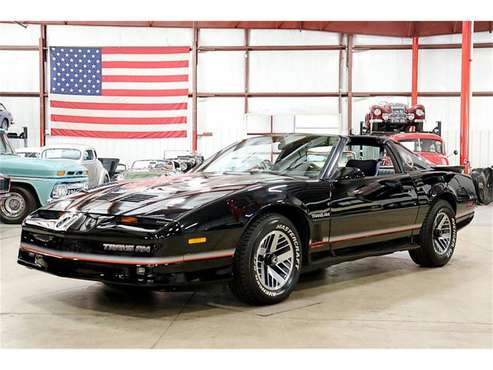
368	166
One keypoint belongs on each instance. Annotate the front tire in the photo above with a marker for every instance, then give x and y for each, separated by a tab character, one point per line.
267	261
437	238
16	205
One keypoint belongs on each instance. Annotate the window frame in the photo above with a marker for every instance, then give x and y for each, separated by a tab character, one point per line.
382	145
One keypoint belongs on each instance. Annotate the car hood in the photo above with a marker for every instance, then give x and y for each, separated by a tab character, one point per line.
166	197
13	165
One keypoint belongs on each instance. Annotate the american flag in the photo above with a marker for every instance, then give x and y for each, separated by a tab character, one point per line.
119	92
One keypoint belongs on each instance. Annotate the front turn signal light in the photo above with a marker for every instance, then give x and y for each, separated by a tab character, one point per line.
60	173
199	240
128	220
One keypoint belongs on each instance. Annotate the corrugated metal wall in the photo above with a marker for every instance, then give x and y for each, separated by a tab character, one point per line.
280	71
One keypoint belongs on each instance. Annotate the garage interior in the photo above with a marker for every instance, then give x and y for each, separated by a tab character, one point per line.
247	78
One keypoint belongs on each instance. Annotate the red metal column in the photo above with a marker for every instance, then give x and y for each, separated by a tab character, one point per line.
42	71
349	62
194	87
414	90
247	70
465	94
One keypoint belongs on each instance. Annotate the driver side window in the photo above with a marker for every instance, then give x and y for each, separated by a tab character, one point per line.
372	160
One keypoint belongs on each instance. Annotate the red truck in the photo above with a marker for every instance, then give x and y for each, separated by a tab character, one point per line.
427	144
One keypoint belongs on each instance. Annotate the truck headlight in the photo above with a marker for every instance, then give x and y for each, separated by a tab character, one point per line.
420	112
410	116
59	191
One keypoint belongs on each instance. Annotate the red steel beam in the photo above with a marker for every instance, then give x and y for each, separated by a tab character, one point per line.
247	71
465	94
194	87
272	48
349	51
414	87
42	106
19	47
478	45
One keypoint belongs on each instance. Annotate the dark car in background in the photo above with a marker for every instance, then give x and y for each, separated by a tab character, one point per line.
6	118
256	214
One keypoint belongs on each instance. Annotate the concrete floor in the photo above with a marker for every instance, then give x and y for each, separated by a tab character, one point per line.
376	302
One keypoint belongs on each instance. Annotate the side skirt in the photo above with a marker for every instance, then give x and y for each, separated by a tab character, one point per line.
320	259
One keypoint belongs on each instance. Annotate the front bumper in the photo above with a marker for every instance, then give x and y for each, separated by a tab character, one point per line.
160	264
170	276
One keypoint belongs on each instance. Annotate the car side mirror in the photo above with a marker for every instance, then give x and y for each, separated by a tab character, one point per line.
120	168
349	173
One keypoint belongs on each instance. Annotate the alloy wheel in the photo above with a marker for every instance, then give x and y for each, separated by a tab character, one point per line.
442	233
274	260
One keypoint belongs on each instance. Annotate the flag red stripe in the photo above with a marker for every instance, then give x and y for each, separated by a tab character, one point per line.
171	78
118	120
117	106
129	92
119	134
146	64
146	50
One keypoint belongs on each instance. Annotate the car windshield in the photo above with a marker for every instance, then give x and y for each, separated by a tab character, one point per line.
61	153
423	145
5	147
294	155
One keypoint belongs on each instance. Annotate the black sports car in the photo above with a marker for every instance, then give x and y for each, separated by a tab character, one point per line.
258	213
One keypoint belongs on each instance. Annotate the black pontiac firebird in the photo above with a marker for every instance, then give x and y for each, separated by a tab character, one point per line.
258	213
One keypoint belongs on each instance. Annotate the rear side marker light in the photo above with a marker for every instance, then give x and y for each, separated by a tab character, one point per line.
200	240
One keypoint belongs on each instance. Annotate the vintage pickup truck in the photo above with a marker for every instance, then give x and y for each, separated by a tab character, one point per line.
35	182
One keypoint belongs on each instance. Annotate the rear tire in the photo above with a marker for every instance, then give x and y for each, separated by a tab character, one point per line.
437	238
267	261
16	205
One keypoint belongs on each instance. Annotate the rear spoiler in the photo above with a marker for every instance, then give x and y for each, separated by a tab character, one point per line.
458	169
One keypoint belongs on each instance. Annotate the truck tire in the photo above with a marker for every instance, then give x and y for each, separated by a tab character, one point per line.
483	183
16	205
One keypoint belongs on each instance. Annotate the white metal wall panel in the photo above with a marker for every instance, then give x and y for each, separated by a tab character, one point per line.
294	71
221	37
221	71
382	70
292	37
26	113
318	105
19	71
14	34
372	40
439	70
457	38
224	118
118	36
